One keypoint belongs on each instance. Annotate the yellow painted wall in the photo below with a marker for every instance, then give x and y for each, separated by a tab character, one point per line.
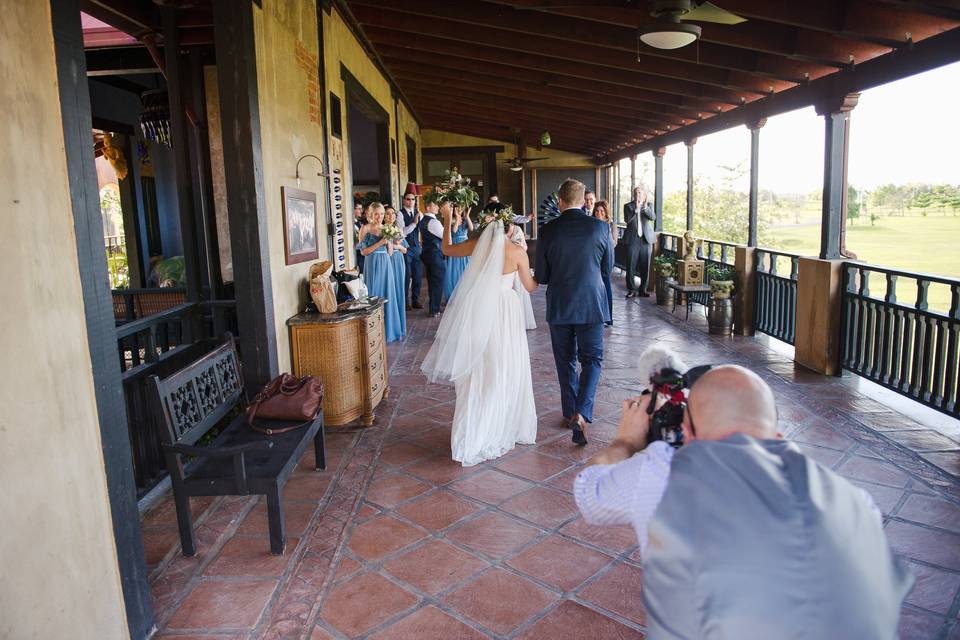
508	182
57	554
287	47
341	47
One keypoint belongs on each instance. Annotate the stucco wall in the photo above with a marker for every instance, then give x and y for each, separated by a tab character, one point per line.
287	49
60	575
341	47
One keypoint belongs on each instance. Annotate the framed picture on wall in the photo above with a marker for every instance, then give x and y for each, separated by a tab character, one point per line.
299	225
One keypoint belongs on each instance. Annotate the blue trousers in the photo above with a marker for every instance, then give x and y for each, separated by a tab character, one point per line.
609	287
435	267
574	343
414	273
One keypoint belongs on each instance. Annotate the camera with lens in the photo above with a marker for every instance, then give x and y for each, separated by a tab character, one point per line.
666	417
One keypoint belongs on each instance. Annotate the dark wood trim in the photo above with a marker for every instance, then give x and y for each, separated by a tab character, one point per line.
436	151
350	20
931	53
752	208
240	118
413	174
131	218
177	81
98	313
658	187
690	144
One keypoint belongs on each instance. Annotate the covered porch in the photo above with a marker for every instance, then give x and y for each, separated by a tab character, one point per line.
347	102
398	541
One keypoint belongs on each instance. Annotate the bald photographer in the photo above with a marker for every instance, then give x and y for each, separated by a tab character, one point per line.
742	535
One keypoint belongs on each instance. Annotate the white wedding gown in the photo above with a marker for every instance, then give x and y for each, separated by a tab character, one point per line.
481	347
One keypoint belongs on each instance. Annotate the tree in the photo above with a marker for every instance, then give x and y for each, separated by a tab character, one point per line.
853	203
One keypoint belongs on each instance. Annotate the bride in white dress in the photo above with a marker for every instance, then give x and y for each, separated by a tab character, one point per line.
481	347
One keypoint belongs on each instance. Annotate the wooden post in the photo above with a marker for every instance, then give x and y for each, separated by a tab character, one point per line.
180	146
690	144
658	154
98	313
533	202
745	264
836	113
819	296
752	218
240	117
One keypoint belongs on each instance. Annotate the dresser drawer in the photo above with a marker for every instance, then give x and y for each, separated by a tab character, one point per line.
375	361
375	322
373	340
377	384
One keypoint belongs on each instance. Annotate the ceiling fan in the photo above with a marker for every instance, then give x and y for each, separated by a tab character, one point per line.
669	29
516	164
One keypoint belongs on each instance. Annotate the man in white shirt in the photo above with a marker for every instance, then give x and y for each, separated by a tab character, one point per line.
589	201
431	236
742	535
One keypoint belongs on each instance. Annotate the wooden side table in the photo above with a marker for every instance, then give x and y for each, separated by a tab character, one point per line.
692	293
348	352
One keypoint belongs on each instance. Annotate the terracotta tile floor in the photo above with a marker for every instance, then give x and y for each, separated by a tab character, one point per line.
396	541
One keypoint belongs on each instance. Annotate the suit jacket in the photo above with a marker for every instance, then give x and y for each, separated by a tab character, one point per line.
645	220
574	256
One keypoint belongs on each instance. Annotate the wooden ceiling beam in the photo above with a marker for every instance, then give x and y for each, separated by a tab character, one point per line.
555	48
611	36
517	118
545	97
865	20
692	93
778	39
560	141
518	121
578	111
426	63
923	56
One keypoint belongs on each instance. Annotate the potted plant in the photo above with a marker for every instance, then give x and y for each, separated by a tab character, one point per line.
722	287
665	266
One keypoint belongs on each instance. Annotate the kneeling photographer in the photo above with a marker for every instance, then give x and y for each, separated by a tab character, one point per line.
742	535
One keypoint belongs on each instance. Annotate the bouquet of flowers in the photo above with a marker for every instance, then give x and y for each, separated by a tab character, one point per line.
390	232
454	188
502	216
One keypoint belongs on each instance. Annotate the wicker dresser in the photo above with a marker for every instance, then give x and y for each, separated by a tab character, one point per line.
348	353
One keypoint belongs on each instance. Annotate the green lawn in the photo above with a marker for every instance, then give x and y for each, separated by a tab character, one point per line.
914	243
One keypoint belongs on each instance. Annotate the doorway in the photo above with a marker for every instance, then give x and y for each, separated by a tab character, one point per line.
477	163
368	136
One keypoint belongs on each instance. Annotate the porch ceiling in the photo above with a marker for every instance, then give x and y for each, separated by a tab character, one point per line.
487	67
491	67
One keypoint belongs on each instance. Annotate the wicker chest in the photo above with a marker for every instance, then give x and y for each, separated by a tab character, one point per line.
348	353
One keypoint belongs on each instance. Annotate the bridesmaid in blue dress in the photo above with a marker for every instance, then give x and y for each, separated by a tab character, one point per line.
378	271
461	226
397	249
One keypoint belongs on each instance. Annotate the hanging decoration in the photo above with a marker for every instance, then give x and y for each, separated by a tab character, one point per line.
115	157
155	117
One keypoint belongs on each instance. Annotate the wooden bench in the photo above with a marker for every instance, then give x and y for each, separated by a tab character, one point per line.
240	461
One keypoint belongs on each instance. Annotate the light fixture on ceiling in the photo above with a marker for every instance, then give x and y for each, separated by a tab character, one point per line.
667	32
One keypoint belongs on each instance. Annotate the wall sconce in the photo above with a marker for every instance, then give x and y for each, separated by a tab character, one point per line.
319	173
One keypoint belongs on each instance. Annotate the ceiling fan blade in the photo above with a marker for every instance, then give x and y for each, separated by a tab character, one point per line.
532	159
709	12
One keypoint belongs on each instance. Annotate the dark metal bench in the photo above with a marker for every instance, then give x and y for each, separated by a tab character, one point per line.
240	461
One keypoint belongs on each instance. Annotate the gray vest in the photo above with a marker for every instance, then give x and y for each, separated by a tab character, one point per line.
753	540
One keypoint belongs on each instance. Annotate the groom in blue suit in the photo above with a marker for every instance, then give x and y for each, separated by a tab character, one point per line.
574	257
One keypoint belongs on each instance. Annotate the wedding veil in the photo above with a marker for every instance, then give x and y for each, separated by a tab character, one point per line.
471	312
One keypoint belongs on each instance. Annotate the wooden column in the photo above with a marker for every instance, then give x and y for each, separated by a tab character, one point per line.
745	264
754	127
243	172
836	113
658	154
690	144
819	296
98	313
180	147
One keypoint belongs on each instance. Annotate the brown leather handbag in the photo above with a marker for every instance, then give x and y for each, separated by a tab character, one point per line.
287	397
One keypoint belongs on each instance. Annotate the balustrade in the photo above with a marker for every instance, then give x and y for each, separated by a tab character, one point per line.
775	295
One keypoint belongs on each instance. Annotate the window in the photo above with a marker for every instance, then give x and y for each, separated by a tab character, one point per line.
336	116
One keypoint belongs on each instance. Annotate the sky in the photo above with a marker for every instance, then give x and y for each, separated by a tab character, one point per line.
902	132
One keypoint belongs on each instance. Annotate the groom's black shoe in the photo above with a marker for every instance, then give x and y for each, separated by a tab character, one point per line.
578	438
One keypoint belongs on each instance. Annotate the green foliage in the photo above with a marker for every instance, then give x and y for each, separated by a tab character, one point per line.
720	272
665	264
720	211
454	188
853	202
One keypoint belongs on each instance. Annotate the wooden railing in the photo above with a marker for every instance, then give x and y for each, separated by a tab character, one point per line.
160	344
904	346
131	304
775	295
